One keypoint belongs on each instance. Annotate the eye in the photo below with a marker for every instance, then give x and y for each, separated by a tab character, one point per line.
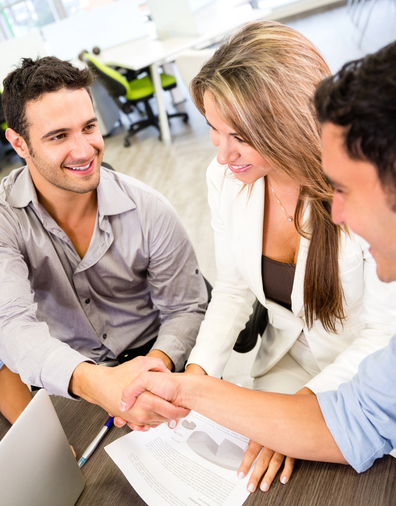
90	128
239	140
58	137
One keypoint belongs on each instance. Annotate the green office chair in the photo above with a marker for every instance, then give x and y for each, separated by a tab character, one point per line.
127	91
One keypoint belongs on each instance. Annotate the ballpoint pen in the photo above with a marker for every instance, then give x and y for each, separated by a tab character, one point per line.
91	448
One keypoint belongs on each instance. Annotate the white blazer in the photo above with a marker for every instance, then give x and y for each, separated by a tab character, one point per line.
370	305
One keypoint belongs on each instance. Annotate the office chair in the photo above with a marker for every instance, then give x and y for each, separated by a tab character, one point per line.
3	124
127	93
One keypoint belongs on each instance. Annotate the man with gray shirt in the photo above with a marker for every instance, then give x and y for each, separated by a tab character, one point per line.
92	262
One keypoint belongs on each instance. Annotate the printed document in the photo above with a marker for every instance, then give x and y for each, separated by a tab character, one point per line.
195	464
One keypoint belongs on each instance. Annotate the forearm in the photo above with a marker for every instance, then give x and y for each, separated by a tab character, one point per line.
177	336
14	395
291	425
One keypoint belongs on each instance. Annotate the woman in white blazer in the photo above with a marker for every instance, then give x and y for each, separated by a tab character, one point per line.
274	237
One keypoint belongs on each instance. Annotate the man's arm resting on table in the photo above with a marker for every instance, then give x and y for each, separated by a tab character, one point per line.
290	424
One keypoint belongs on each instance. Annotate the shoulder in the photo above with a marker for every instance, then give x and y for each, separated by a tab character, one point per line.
8	182
134	201
143	196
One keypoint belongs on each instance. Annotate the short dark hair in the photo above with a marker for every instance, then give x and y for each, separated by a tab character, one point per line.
361	97
34	78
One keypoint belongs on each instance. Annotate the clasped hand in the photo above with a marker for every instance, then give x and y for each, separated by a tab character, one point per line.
104	386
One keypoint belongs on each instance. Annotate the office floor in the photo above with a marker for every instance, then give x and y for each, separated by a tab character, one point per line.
178	171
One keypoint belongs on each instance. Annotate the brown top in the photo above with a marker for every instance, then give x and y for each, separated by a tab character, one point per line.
278	281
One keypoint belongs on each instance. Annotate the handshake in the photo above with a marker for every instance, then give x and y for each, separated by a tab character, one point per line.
141	393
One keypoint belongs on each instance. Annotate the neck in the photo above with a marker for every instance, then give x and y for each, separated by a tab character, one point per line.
65	208
283	184
75	215
63	205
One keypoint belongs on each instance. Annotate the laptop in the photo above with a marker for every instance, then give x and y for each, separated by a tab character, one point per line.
37	465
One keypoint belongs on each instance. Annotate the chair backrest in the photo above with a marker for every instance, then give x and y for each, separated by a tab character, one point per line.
112	80
3	124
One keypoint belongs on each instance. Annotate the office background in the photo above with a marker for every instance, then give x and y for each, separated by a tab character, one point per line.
178	170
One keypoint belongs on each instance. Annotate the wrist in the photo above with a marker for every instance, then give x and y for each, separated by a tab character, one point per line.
163	356
82	379
190	386
195	369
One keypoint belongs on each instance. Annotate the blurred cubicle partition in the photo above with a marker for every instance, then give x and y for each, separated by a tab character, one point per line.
12	50
106	26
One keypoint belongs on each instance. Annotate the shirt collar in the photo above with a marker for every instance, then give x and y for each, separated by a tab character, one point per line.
22	191
112	199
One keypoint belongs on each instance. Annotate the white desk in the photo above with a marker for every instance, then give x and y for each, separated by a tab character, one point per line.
152	52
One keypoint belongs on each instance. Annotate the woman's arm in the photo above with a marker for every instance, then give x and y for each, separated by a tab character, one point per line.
232	300
290	424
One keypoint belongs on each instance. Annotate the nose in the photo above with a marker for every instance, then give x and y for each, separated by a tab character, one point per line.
228	149
337	210
82	150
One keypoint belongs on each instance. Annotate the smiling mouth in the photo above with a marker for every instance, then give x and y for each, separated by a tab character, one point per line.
239	168
80	168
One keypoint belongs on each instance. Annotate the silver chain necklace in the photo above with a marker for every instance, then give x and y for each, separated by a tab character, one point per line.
288	216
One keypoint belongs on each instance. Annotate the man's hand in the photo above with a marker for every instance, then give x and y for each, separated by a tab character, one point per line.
163	356
155	390
120	422
104	386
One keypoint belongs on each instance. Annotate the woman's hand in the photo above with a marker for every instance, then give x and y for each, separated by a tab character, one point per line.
195	369
269	462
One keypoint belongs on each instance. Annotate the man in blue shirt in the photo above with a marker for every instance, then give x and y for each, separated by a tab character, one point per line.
357	423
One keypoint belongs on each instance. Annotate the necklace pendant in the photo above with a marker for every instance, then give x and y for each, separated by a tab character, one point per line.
289	218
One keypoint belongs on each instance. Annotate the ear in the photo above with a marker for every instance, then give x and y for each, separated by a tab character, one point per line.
18	143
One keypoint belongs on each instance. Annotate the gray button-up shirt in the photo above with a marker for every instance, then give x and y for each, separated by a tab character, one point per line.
138	279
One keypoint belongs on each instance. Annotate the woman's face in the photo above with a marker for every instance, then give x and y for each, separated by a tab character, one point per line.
242	160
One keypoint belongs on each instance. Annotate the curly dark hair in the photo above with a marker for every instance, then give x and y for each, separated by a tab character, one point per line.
34	78
361	97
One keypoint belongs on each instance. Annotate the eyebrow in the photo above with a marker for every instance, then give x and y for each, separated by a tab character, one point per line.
231	133
333	183
53	133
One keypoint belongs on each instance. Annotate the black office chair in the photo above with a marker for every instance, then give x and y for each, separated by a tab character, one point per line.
129	90
3	124
255	327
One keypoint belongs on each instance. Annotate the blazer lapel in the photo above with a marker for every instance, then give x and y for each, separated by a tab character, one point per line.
249	213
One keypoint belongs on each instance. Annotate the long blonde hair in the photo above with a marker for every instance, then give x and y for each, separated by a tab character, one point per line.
263	81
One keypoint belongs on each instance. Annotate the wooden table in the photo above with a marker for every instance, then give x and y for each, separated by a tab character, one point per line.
312	483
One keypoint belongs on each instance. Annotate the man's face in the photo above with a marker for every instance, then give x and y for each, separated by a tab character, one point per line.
65	145
360	201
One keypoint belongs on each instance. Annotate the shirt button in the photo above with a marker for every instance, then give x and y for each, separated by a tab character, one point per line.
196	271
104	336
87	301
